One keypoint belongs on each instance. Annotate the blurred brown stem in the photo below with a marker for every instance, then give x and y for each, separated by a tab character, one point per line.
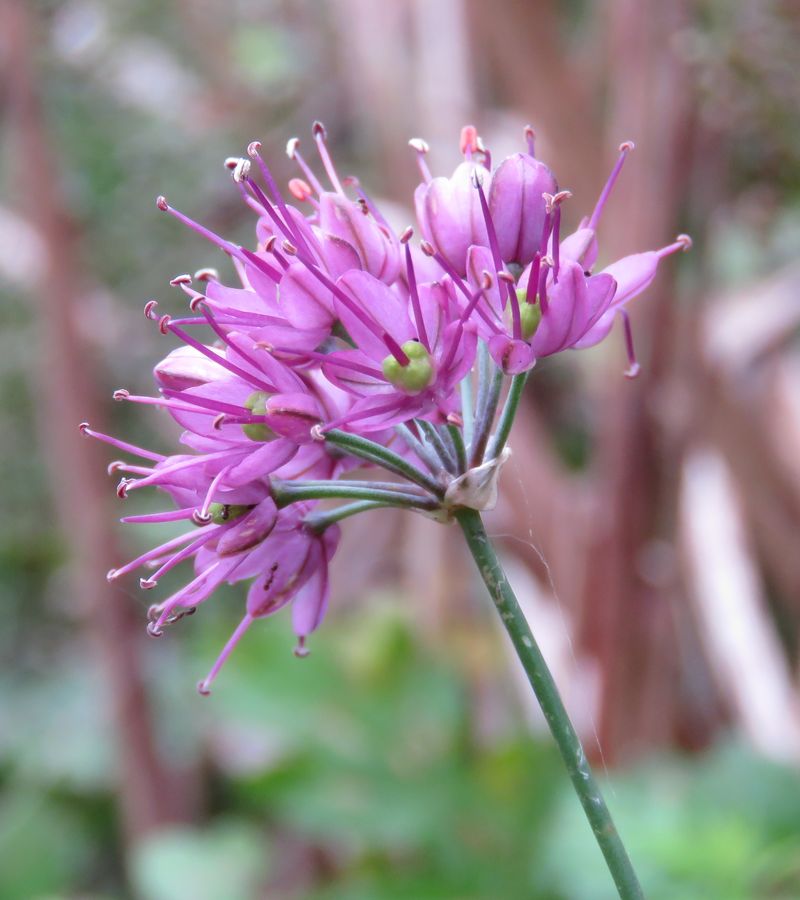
64	396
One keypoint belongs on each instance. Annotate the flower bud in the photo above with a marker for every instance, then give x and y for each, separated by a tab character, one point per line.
450	214
377	249
517	206
416	375
186	367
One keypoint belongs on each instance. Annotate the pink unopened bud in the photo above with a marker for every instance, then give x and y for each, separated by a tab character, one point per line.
517	206
185	367
377	249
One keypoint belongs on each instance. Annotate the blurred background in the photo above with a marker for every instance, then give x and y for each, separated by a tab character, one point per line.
651	527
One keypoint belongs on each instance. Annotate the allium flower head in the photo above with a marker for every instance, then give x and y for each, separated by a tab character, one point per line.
343	345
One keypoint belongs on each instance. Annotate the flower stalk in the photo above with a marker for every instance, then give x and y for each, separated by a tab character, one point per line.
541	680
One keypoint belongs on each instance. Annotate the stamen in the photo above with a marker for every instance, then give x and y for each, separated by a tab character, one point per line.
494	246
347	418
293	153
624	149
180	279
204	686
352	181
300	650
171	515
226	246
120	445
216	406
181	555
530	137
318	130
468	142
456	279
547	263
206	274
149	309
224	338
220	360
633	366
682	242
422	149
533	278
486	283
300	189
155	553
260	264
422	334
288	222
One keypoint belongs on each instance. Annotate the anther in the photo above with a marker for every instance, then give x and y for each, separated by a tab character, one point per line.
253	149
486	280
406	235
289	248
120	394
317	433
153	630
318	130
419	145
195	302
506	276
199	519
291	147
161	203
111	575
84	428
551	201
122	488
300	650
427	248
469	139
219	421
364	206
180	279
242	171
163	324
454	418
203	689
686	240
627	147
147	584
206	274
300	189
149	308
153	612
231	162
115	466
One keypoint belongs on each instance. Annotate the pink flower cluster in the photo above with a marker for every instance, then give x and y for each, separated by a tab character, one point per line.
345	343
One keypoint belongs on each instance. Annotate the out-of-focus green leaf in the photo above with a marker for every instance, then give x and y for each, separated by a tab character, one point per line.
227	861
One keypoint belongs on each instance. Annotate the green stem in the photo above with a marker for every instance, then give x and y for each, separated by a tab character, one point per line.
457	440
568	742
507	415
382	456
485	417
319	521
286	492
424	453
434	439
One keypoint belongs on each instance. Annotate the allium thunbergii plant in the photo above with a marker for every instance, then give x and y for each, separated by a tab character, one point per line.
346	346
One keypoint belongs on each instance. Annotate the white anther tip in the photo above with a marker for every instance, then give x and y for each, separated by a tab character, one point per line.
686	240
419	145
161	203
253	148
627	147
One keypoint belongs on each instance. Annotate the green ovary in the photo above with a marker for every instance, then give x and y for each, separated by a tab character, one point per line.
416	375
226	512
256	431
530	314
